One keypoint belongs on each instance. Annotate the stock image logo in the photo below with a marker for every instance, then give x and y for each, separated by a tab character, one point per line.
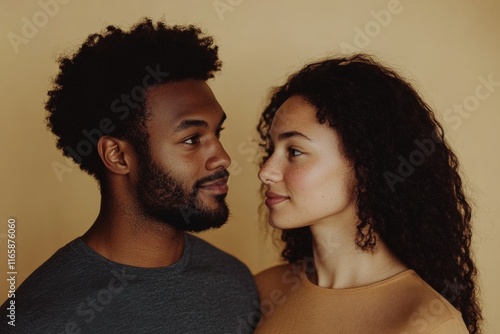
32	25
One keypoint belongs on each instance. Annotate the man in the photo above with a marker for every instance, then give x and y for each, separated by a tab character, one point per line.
132	108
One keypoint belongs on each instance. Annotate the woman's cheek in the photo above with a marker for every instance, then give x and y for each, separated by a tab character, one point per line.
305	179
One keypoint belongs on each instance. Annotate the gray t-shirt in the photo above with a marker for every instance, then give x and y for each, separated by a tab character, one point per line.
79	291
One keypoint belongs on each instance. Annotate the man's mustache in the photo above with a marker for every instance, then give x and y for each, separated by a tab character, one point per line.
216	176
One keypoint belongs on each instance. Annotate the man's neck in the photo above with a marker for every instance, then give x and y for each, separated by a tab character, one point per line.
128	238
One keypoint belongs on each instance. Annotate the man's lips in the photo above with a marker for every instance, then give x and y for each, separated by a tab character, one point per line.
218	186
273	198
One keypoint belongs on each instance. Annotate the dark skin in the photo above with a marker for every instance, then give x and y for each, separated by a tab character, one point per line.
184	141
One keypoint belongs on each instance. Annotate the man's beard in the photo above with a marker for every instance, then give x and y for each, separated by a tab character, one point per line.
164	198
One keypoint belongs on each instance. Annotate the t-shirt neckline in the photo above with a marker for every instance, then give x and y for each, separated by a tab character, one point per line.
90	255
311	286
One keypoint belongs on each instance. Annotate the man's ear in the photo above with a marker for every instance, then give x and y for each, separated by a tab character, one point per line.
117	155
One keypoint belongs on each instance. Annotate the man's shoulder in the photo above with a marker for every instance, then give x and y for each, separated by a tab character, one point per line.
214	263
220	271
62	261
42	288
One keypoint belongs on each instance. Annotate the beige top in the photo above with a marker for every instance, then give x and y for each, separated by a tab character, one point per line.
401	304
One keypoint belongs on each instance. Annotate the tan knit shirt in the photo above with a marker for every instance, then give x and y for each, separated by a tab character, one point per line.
401	304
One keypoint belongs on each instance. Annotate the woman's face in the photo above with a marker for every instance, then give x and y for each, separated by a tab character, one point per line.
309	181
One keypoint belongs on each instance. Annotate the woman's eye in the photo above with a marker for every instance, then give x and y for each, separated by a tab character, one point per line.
192	140
217	134
293	152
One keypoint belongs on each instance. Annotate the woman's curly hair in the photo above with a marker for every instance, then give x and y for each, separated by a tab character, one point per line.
102	86
409	192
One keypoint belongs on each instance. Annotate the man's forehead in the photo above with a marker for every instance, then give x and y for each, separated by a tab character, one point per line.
174	103
183	92
182	99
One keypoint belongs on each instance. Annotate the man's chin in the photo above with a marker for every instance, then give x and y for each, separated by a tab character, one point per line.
203	221
191	219
211	201
194	228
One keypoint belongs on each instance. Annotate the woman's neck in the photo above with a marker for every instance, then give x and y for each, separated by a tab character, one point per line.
340	264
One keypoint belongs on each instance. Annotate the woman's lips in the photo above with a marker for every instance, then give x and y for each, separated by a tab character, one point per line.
273	198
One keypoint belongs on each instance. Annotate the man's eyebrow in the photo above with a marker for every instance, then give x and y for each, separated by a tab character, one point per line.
290	134
191	123
196	123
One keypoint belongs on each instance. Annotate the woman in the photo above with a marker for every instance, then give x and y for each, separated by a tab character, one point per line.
367	194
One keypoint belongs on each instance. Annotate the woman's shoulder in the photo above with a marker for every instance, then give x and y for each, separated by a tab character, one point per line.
274	271
429	311
278	280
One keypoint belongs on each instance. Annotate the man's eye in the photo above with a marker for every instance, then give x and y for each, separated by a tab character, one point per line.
192	140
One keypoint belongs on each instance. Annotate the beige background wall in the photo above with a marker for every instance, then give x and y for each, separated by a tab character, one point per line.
447	48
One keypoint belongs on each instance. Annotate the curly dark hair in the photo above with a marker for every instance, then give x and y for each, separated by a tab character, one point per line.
409	191
101	88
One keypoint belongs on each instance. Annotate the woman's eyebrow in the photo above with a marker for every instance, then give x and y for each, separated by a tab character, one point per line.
291	134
